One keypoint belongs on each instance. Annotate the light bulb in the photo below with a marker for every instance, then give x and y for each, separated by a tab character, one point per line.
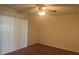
43	8
42	13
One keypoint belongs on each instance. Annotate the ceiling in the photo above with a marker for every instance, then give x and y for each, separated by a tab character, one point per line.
29	8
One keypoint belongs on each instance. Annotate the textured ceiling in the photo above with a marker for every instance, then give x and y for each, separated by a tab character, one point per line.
61	9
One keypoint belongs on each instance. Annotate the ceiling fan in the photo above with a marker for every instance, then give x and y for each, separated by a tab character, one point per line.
41	9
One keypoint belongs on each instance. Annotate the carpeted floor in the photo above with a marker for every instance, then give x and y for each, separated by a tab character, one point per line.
39	49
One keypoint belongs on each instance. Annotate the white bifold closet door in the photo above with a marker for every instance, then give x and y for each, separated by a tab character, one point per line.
13	33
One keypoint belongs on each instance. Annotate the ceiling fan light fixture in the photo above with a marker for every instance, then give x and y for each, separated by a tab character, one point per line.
42	13
43	8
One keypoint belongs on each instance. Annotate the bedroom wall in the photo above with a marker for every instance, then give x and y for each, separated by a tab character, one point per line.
60	31
33	29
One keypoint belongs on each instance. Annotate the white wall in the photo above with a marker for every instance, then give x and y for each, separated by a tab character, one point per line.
14	33
60	31
33	29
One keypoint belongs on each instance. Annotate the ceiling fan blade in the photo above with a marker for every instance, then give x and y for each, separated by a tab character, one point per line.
51	10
